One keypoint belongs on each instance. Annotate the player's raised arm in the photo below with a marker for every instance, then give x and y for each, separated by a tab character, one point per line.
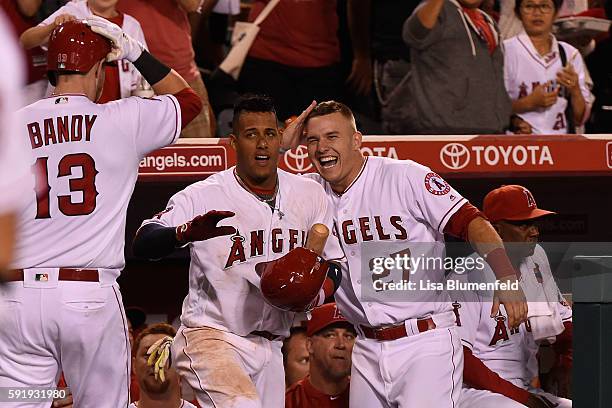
39	35
163	79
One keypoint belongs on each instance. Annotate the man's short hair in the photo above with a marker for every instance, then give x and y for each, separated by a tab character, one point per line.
331	107
158	328
294	331
251	103
517	6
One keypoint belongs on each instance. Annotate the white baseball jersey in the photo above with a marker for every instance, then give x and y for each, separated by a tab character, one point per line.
509	353
525	68
224	290
130	79
15	177
86	160
184	404
392	206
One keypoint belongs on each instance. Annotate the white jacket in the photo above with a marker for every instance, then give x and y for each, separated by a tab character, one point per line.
130	79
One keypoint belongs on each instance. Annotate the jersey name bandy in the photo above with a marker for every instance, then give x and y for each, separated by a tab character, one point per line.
64	129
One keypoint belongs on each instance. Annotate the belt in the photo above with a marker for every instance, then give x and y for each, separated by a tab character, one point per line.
65	274
266	335
397	331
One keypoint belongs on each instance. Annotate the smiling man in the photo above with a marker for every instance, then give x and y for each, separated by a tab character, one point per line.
229	344
330	344
407	353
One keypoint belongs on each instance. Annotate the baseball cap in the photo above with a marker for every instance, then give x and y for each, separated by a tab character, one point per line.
512	203
324	316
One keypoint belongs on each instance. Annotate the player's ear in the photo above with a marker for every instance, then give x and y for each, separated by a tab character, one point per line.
309	347
233	140
357	140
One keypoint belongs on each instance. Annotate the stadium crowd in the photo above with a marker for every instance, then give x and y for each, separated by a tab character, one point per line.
467	67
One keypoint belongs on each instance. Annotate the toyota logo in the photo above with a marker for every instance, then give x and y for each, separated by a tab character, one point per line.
455	156
297	159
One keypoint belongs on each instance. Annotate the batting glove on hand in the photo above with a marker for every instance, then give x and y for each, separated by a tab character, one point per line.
159	355
204	227
124	46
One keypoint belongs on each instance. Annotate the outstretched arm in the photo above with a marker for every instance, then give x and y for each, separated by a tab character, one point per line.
155	241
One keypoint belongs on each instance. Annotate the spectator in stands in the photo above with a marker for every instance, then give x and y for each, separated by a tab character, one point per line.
295	356
154	393
122	79
211	34
457	83
391	58
21	14
330	344
544	77
600	66
168	33
295	55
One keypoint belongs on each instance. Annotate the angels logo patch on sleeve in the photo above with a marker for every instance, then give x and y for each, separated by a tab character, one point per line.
436	185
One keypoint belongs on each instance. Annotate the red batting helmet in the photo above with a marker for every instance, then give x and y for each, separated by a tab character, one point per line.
293	281
74	48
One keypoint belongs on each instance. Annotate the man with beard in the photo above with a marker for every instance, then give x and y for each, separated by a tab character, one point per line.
330	344
153	393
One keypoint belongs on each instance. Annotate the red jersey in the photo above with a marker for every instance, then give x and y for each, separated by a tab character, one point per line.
303	395
309	34
36	57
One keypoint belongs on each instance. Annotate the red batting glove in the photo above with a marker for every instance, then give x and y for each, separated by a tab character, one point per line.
204	227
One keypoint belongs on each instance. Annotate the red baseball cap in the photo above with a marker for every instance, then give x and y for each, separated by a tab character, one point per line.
324	316
513	203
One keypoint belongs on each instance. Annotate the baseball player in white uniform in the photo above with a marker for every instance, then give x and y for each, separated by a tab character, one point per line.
407	353
64	309
228	347
501	363
541	74
131	81
15	177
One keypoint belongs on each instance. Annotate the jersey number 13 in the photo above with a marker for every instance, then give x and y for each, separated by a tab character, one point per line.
85	184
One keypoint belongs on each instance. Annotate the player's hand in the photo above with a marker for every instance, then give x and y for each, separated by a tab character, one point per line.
124	46
514	302
63	18
539	401
542	98
204	227
521	126
568	78
360	78
293	132
159	356
63	402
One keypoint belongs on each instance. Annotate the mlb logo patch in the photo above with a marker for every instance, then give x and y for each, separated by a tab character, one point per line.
63	99
42	277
